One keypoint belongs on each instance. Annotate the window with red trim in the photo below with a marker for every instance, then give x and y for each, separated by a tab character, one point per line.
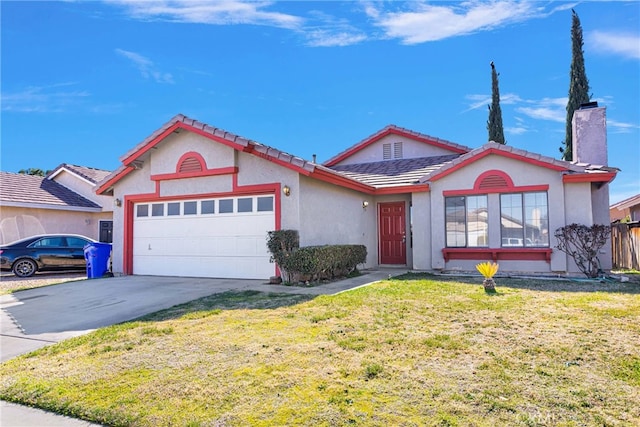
466	221
524	219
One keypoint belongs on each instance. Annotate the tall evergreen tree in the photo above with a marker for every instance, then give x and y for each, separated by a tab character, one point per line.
494	125
578	83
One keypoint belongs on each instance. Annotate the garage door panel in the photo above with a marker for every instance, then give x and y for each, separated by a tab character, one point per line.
231	245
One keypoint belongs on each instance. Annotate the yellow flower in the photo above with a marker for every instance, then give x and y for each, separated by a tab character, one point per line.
487	269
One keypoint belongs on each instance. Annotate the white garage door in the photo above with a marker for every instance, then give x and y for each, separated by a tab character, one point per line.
223	237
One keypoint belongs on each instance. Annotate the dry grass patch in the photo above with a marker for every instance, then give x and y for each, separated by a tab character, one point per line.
412	351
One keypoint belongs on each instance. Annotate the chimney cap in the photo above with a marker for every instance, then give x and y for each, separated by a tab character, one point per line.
591	104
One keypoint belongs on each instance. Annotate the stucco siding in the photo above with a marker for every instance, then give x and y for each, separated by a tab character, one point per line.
168	153
84	188
203	185
334	215
421	231
18	223
254	171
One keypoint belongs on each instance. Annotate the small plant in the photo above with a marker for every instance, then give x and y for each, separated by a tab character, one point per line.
488	270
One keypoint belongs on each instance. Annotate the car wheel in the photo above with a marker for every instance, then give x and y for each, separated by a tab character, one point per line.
24	268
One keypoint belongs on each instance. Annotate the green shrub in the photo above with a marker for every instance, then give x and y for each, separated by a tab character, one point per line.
325	262
281	244
312	263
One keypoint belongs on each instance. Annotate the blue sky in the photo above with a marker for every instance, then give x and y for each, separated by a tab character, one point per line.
84	82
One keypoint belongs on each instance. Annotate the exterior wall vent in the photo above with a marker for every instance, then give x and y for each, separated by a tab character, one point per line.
397	150
493	182
190	164
386	151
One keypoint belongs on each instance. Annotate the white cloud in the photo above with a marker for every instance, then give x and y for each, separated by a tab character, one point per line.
209	12
627	45
621	127
43	99
427	22
146	67
324	38
480	101
553	109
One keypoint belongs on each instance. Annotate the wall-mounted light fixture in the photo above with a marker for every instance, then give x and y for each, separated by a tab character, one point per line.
286	190
117	202
365	204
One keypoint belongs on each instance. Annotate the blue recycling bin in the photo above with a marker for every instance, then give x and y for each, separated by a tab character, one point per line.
97	256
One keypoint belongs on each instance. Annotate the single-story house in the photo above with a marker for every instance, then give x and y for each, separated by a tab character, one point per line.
64	201
628	209
195	200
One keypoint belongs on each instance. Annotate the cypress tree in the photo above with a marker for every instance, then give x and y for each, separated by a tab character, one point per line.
494	125
578	83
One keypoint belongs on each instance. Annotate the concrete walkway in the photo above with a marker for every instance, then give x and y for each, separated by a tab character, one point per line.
39	317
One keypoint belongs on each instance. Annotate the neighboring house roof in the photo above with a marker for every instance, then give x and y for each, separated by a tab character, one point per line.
92	175
396	130
35	191
389	173
627	203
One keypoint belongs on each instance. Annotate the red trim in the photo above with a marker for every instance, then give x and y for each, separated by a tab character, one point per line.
490	174
207	172
130	200
478	187
191	155
589	177
498	254
402	189
392	131
133	156
104	187
497	152
341	181
518	189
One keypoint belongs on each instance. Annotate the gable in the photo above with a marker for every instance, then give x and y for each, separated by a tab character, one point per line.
394	143
523	159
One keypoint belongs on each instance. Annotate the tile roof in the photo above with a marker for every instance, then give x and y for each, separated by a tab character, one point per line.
90	174
131	157
393	129
391	173
512	151
21	188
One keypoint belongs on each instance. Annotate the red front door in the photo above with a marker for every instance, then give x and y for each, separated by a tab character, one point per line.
393	233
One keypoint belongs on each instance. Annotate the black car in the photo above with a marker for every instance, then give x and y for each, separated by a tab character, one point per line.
45	252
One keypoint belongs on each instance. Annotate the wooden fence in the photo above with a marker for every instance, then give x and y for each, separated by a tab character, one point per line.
625	245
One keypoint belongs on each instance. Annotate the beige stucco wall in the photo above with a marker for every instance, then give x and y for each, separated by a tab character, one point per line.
422	234
17	223
410	149
334	215
164	158
84	188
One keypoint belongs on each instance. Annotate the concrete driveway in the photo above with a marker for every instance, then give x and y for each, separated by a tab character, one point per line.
34	318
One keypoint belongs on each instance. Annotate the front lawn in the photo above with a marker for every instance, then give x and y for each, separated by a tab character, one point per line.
411	351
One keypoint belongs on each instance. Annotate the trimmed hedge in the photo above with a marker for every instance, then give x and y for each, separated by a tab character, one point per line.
312	263
325	262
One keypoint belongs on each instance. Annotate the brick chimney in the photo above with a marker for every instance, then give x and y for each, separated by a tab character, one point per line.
589	127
